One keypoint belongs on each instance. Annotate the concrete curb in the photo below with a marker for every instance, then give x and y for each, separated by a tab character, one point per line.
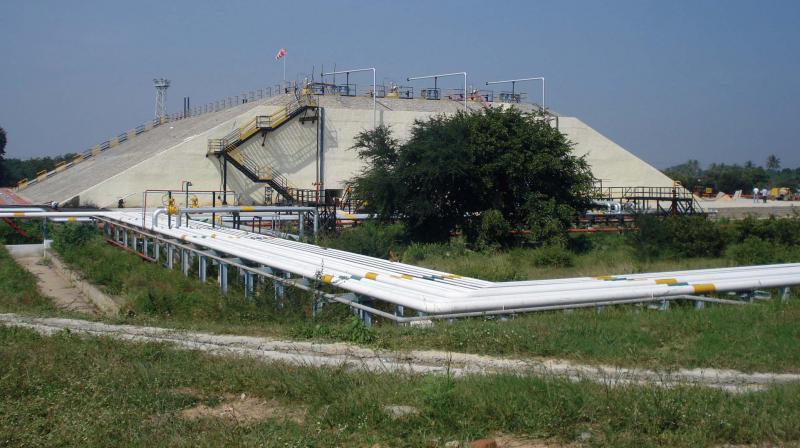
105	304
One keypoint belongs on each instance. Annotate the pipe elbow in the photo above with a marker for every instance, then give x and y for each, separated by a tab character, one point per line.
156	214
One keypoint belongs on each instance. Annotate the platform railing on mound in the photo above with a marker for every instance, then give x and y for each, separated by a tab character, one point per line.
430	93
512	97
400	92
486	96
675	200
380	89
394	91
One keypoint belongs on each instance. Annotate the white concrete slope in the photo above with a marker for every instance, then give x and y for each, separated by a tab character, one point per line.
166	156
438	292
159	158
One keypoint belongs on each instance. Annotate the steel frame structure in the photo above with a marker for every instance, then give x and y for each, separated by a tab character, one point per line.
433	294
374	90
515	81
436	78
138	240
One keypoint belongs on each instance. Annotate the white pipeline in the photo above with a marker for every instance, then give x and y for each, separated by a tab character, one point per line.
438	292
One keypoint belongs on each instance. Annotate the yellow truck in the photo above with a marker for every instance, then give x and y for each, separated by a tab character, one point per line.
781	194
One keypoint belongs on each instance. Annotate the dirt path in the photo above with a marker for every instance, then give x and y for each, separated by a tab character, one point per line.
64	294
416	362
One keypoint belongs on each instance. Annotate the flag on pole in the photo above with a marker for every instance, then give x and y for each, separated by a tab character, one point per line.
281	54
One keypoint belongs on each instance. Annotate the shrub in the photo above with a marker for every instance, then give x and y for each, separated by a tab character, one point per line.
677	236
580	243
356	331
72	235
754	251
552	256
453	168
784	232
758	251
369	238
494	229
456	247
33	228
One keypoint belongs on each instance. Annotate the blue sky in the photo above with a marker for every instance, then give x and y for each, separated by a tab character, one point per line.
668	80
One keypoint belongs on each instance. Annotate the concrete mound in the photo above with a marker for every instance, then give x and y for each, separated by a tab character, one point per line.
309	153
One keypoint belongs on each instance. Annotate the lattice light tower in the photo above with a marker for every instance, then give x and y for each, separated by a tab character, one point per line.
161	85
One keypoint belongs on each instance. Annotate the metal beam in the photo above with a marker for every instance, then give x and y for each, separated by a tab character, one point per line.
514	81
374	89
442	76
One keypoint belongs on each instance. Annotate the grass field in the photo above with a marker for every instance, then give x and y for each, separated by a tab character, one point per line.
609	255
18	291
67	390
760	337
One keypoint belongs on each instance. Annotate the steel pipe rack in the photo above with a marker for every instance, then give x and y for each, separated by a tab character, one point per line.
431	293
242	209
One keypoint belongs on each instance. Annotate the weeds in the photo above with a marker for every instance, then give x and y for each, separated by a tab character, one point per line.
68	390
748	338
369	238
18	289
32	227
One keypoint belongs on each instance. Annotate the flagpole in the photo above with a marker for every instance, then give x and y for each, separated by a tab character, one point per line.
284	68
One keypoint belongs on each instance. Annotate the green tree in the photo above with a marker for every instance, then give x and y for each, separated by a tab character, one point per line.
16	169
729	178
689	174
454	169
3	141
773	162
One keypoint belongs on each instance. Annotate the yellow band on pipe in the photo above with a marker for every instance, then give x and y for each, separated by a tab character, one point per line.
19	214
604	277
72	219
371	275
704	288
326	278
247	209
666	281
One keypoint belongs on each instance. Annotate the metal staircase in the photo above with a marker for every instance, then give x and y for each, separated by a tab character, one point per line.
261	174
228	147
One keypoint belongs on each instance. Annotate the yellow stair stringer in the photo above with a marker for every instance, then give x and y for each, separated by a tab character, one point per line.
273	121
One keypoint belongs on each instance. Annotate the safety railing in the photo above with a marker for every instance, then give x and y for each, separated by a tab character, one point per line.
482	95
400	92
430	93
380	91
512	97
642	198
260	122
455	94
265	173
